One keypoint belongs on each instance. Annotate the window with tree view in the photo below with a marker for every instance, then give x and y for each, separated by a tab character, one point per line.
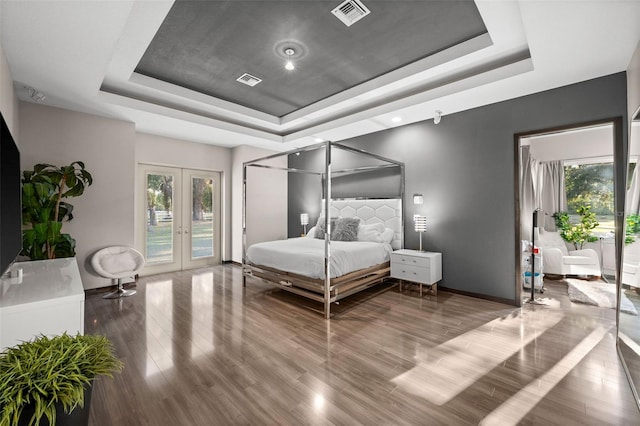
591	184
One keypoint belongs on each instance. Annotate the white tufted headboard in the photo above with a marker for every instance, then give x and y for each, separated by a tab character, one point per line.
387	211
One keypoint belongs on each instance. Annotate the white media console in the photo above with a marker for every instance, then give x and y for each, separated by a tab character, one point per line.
47	299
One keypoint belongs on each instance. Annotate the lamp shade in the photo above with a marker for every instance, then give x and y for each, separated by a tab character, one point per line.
418	199
420	223
304	219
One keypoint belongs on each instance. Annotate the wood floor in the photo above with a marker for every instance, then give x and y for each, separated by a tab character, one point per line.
200	349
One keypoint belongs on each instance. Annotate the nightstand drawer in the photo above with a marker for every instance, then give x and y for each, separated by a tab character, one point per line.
402	259
410	273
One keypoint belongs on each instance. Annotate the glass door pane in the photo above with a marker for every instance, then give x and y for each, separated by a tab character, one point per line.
179	218
159	236
201	212
201	217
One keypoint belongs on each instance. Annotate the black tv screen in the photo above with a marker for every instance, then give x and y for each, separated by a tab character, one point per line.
10	204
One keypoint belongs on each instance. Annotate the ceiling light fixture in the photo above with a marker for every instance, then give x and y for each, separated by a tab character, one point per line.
289	64
319	140
396	119
437	117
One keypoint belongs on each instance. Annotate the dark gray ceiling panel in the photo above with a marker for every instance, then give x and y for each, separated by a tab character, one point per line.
206	45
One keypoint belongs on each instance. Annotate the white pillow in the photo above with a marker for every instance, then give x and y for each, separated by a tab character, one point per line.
387	235
311	233
371	232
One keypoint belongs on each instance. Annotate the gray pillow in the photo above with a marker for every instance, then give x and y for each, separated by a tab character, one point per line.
320	229
345	229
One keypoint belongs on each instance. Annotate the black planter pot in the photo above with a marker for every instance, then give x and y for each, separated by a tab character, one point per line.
78	417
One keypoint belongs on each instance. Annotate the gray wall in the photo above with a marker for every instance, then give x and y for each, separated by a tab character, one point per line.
308	189
464	167
633	82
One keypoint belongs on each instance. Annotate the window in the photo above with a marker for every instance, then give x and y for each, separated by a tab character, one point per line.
591	184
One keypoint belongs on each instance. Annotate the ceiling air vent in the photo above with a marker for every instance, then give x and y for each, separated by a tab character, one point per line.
350	12
248	79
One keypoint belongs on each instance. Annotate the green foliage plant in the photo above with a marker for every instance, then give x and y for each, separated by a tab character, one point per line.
43	208
577	233
47	371
633	228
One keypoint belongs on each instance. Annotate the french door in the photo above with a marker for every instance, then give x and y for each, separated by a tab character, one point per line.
179	218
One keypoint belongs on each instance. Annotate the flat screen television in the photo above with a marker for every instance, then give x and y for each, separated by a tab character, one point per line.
10	199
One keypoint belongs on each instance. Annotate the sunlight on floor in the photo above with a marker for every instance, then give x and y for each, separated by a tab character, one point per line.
159	295
516	408
443	372
202	322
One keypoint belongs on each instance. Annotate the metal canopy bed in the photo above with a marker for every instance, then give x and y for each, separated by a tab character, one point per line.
330	286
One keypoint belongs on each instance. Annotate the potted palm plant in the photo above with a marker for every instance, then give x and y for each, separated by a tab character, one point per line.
47	381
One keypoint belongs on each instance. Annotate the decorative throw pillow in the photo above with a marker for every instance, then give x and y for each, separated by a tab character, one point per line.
320	228
387	235
345	229
371	232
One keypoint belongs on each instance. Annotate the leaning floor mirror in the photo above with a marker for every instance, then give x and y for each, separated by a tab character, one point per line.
629	294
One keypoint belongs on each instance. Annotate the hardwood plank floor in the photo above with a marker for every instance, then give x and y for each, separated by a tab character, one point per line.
199	349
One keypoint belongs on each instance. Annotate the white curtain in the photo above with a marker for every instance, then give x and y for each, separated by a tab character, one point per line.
550	193
541	187
633	194
527	197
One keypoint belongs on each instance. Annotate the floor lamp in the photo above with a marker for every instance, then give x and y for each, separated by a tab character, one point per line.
538	217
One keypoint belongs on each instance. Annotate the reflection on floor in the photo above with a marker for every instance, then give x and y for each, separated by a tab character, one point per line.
200	350
630	334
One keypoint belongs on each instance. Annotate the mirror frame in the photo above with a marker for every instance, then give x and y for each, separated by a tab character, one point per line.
620	161
627	154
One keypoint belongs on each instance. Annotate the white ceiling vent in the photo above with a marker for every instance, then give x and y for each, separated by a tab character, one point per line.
350	12
248	79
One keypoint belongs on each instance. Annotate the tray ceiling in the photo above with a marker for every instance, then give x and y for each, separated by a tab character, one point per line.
206	46
91	58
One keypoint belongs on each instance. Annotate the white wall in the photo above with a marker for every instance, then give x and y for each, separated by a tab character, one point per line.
111	150
8	98
159	150
587	143
266	200
103	215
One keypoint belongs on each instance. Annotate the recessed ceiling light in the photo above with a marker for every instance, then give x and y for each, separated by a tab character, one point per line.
396	119
319	140
289	64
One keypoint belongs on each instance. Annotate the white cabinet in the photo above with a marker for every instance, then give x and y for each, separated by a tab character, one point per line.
420	267
48	299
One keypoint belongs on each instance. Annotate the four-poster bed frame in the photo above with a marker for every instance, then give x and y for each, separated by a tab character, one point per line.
327	290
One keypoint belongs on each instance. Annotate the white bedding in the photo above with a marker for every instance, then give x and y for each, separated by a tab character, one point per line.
305	256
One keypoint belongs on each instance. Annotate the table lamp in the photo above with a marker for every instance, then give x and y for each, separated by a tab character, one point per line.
304	221
420	225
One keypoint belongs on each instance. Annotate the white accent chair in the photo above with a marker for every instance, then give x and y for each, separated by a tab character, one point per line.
631	264
117	263
557	260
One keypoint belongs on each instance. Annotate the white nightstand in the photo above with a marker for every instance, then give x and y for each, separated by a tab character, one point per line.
420	267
